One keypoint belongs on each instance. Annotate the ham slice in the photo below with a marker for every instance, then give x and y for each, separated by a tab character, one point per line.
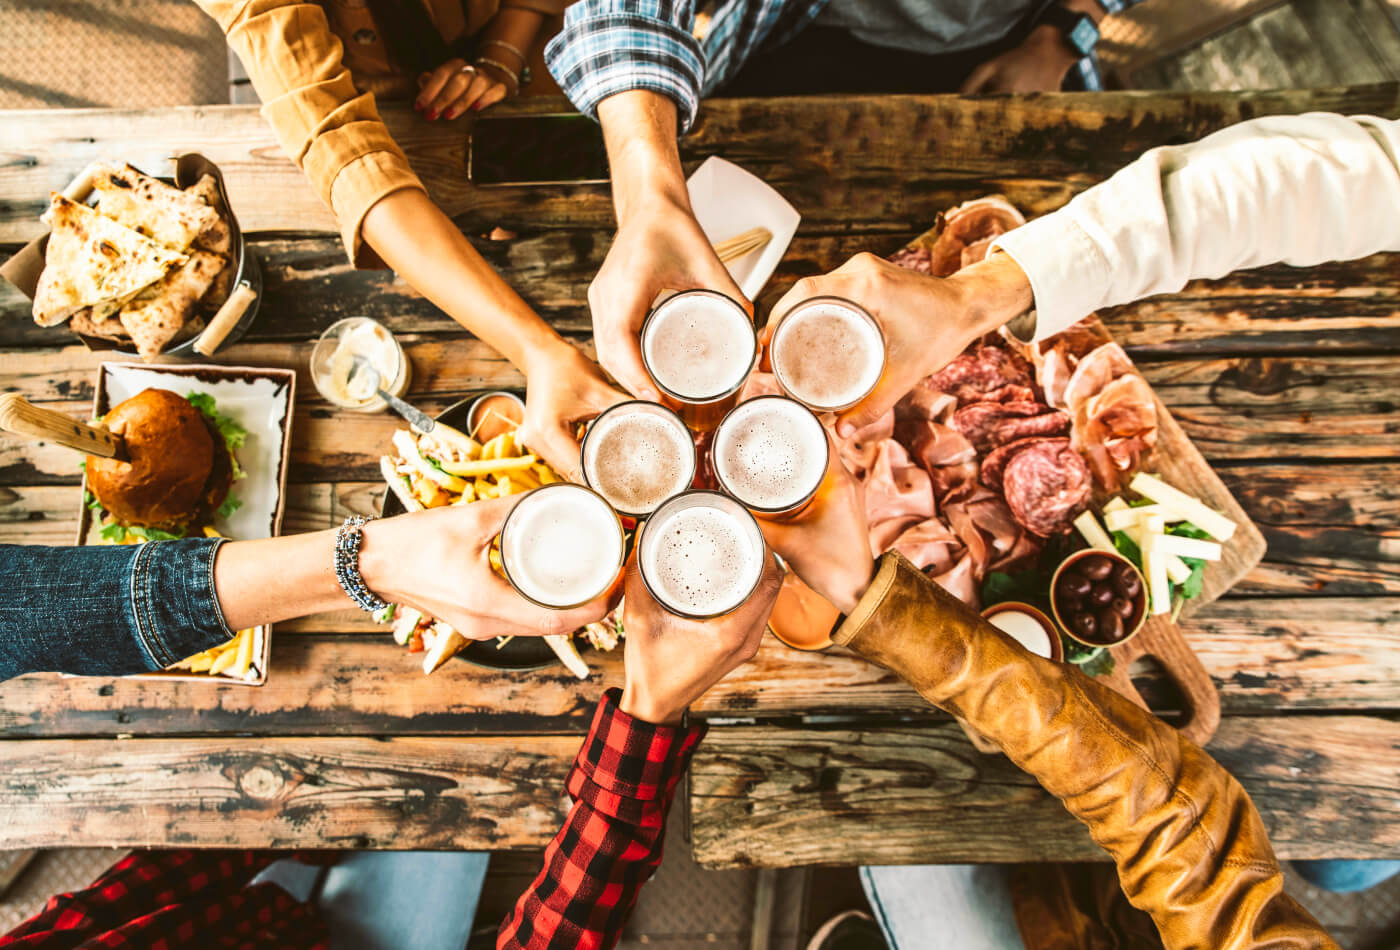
930	545
1116	429
858	453
898	495
1095	370
970	224
962	582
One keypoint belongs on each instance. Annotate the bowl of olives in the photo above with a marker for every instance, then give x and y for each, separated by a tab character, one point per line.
1099	598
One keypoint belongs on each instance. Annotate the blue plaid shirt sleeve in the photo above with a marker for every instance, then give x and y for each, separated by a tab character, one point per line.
612	46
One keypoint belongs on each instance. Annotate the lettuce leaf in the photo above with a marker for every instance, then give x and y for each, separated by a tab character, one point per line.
234	435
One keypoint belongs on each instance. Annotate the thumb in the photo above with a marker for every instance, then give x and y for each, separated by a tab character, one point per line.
869	410
977	80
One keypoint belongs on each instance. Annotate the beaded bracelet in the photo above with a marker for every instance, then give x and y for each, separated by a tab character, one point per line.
347	564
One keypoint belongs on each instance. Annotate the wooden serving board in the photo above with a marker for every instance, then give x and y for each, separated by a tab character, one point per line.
1177	460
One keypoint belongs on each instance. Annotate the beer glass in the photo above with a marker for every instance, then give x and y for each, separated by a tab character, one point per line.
828	353
699	347
562	545
701	554
770	453
636	455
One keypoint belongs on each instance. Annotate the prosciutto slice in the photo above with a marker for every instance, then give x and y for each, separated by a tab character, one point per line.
1116	429
898	495
930	545
1095	370
970	225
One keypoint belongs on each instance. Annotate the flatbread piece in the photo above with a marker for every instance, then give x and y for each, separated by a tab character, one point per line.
91	259
153	319
160	211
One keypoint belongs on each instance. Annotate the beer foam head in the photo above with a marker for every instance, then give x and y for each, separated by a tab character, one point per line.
562	545
699	345
637	455
828	354
701	554
770	453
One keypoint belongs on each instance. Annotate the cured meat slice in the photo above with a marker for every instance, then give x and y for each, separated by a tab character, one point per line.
980	369
930	545
1046	486
935	445
858	452
1116	430
924	402
913	258
961	581
898	495
1050	423
1055	358
970	223
953	482
1095	370
978	421
995	462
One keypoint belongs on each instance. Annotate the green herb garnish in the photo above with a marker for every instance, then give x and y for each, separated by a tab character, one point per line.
91	501
229	506
113	532
233	433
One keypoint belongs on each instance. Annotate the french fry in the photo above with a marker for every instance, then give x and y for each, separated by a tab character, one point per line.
212	532
244	657
225	660
546	474
524	479
489	465
504	486
468	495
494	556
502	446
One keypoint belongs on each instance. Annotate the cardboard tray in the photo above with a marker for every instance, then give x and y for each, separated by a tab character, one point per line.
261	399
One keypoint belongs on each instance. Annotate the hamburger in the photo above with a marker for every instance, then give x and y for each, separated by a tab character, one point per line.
179	465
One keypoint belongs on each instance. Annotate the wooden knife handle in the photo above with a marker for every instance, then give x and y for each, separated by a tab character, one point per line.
20	416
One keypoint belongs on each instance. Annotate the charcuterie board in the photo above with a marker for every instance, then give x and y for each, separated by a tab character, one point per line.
1174	459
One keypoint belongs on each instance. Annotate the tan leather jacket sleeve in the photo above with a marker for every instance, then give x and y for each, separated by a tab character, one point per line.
332	131
1190	847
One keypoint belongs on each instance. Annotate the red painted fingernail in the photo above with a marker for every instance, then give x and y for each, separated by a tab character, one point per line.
478	106
432	114
450	114
418	107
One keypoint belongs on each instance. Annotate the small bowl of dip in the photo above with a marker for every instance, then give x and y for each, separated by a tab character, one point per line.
494	413
334	355
1028	626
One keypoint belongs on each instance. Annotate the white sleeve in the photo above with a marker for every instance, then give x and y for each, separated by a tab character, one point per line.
1297	189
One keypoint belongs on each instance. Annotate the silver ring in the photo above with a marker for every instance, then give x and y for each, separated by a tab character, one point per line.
469	68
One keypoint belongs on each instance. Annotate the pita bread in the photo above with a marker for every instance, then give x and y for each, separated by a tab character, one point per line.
91	259
90	321
154	319
217	238
162	212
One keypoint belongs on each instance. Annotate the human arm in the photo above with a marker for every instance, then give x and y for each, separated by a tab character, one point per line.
627	770
116	610
502	52
659	245
1189	846
564	387
1040	62
1296	189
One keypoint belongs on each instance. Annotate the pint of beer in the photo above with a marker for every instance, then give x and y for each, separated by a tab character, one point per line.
828	353
562	546
701	554
636	455
770	453
699	347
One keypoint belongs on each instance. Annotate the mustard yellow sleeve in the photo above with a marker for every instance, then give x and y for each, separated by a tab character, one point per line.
331	130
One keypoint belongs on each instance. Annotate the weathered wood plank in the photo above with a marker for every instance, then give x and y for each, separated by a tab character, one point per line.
404	793
1237	409
859	145
771	797
1265	656
1339	306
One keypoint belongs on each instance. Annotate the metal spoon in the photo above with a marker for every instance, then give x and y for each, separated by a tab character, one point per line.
417	419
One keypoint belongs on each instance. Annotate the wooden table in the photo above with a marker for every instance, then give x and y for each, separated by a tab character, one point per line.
1287	379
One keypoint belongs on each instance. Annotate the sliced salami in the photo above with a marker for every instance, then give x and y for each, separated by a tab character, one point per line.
1050	423
978	421
979	370
995	463
1046	486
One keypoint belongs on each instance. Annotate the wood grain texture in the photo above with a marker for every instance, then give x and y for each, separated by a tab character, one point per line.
404	793
899	795
1038	150
1266	658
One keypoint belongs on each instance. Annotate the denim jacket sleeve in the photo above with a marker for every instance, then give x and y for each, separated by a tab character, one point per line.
107	610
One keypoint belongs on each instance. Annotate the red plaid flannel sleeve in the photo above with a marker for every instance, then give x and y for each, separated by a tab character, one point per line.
169	899
622	784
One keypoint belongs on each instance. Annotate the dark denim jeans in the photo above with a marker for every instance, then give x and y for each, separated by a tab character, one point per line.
102	611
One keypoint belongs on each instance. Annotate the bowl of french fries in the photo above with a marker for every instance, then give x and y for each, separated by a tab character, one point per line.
473	454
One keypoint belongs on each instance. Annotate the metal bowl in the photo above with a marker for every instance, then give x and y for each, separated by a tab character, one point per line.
521	653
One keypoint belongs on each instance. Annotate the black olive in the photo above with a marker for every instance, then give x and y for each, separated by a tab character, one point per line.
1095	568
1127	583
1084	625
1110	625
1074	584
1125	608
1101	595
